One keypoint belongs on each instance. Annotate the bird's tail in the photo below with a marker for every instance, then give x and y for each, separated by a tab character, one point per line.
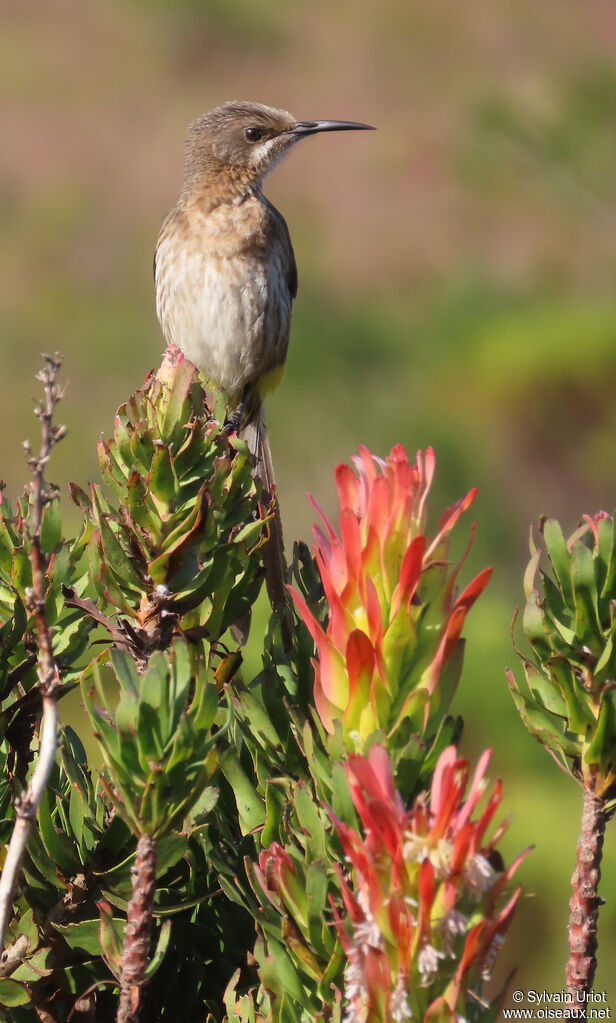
254	433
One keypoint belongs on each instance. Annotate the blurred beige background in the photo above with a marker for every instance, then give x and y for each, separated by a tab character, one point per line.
456	283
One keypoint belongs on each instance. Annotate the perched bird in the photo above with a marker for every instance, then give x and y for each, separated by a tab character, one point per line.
225	271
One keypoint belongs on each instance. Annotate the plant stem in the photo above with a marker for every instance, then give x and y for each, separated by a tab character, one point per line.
48	680
138	929
584	904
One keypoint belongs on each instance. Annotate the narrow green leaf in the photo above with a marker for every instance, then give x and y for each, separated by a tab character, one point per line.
533	623
587	626
316	900
250	806
342	804
161	950
608	592
140	507
177	408
118	560
274	808
310	821
278	973
125	670
162	481
143	449
28	928
560	558
21	571
58	846
51	526
111	937
601	751
122	433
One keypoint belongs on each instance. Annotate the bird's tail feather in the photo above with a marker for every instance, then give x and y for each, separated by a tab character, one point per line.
254	433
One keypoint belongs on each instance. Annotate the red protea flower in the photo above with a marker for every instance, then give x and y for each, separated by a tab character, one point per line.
423	916
394	617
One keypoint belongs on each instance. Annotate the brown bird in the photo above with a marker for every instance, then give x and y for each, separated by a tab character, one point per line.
225	271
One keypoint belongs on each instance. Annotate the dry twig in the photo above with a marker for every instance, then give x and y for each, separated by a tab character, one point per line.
41	494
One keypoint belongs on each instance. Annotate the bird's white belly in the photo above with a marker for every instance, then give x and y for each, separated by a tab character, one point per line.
229	316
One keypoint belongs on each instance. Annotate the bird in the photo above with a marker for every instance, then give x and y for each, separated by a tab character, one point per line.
226	277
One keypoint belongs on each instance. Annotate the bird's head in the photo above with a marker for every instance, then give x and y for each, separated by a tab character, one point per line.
238	143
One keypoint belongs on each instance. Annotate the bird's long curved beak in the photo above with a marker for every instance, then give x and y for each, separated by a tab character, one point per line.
312	127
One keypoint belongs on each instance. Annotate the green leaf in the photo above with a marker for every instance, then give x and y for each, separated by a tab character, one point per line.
58	846
117	559
342	804
204	805
111	937
51	526
38	865
140	507
169	851
160	951
587	626
59	569
28	928
310	821
80	498
608	591
125	670
278	973
560	558
250	806
33	967
162	481
257	719
143	449
578	711
149	740
533	624
178	403
274	808
601	751
603	552
76	816
316	900
189	460
12	993
122	433
154	700
21	571
83	935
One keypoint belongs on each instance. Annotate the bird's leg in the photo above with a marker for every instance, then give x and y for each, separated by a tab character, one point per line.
234	420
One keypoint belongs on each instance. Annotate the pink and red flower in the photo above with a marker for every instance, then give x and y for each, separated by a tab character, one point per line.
423	916
394	617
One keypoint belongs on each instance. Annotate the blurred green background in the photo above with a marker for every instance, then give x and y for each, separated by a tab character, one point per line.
456	284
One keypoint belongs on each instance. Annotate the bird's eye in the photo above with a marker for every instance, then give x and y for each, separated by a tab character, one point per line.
253	134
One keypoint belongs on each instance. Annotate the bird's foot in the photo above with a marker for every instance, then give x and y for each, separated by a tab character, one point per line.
232	424
234	419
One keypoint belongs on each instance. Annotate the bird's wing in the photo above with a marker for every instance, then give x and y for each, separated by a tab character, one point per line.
278	229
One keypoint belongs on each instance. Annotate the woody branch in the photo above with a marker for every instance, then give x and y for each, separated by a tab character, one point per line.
41	494
584	904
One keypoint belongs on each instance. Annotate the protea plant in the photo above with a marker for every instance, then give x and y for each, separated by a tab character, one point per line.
568	698
389	655
419	907
174	533
424	907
